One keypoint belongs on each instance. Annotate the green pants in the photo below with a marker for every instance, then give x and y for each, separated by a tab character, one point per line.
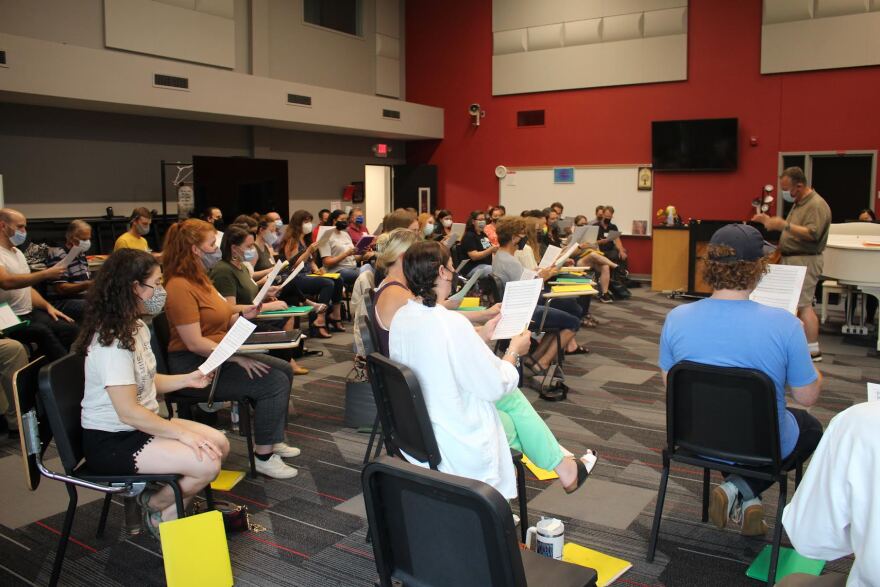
527	432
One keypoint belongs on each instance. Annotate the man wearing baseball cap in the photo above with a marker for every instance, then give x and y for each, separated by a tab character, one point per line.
729	330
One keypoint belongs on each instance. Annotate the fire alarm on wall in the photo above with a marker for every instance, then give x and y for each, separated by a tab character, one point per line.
753	141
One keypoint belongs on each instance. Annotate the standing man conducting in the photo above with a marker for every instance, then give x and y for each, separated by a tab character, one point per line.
803	239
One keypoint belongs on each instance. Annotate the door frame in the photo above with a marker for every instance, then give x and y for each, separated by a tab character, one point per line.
808	170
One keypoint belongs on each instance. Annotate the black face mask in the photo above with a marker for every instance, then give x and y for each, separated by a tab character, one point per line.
340	225
522	243
219	226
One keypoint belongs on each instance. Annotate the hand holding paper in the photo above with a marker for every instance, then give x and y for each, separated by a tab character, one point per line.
293	274
460	295
234	338
550	255
70	256
517	307
780	287
269	281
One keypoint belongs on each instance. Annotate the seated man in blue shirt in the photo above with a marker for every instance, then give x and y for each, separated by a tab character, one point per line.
67	293
729	330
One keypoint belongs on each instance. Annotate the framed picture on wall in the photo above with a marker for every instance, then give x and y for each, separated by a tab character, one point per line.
424	200
646	179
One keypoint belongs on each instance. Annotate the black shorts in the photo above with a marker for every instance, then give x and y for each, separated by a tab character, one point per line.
113	453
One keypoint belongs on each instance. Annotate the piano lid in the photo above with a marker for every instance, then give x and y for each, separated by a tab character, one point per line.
852	254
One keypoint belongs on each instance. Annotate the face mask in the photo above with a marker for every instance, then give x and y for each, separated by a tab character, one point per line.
18	237
447	222
307	227
786	195
143	230
279	223
210	259
428	230
85	245
481	224
218	225
250	255
359	220
156	303
341	225
522	243
270	238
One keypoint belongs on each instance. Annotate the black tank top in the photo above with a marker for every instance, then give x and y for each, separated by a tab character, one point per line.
384	334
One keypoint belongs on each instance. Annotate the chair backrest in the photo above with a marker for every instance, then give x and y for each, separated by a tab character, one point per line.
62	385
434	529
726	413
492	286
33	426
369	320
402	410
159	341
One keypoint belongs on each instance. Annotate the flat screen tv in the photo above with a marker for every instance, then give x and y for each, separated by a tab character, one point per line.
694	145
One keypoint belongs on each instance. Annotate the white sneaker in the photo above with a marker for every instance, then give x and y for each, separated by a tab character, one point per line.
284	451
276	468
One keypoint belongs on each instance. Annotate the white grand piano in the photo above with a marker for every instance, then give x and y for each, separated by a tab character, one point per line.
852	259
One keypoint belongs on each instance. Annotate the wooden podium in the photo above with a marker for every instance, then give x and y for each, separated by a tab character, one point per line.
678	253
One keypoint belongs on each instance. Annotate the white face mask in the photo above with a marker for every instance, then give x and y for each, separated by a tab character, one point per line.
786	195
279	223
85	245
307	227
447	222
428	230
270	237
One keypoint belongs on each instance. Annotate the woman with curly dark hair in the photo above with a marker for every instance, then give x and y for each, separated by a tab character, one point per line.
122	430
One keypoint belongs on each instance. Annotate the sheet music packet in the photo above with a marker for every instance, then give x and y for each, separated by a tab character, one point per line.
517	307
780	287
528	274
587	233
874	392
70	256
550	255
564	256
293	274
233	340
269	281
323	240
455	233
460	295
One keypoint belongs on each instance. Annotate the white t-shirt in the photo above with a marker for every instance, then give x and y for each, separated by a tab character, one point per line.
18	299
113	365
340	241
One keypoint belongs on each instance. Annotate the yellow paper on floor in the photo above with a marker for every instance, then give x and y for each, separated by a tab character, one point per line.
195	551
327	275
226	480
608	567
469	302
541	474
571	288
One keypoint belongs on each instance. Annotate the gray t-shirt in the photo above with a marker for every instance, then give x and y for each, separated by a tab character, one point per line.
506	267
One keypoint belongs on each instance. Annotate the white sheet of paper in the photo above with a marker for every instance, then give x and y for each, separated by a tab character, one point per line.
7	317
457	231
565	255
780	287
550	255
528	274
460	295
587	233
293	274
324	233
269	281
70	256
874	392
612	235
230	343
517	307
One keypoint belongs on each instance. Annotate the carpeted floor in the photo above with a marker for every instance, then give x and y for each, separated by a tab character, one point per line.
314	531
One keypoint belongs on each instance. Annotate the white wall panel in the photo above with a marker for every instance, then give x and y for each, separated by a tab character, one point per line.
787	10
224	8
825	8
388	17
387	47
659	23
387	77
544	37
874	5
664	58
582	32
623	27
510	42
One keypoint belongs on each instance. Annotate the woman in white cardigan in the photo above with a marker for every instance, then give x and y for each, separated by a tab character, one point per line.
464	383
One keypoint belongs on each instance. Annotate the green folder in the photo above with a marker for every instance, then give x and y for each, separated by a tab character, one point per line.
573	280
789	562
290	310
472	309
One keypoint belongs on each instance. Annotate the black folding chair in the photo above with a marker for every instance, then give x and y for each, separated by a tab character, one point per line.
434	529
186	399
370	321
407	426
720	415
54	394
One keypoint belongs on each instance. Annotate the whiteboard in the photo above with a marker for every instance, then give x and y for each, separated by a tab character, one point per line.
533	188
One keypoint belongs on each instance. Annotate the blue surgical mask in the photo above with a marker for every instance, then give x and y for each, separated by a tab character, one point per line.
210	259
786	195
481	224
270	238
85	245
359	219
250	255
18	238
156	303
143	230
279	223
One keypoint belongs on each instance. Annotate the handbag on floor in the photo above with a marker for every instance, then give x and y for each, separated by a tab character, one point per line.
360	407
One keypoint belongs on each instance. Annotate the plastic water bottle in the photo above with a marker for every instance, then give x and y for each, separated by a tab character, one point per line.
234	416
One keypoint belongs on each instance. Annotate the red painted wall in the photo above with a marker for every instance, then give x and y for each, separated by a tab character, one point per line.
449	64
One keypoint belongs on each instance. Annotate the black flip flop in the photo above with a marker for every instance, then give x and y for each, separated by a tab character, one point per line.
580	350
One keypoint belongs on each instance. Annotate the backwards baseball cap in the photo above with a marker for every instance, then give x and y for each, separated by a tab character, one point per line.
746	242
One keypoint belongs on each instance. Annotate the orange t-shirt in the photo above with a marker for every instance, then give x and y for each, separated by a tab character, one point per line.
188	303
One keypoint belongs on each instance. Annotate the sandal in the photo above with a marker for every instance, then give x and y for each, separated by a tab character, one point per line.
318	308
333	326
585	466
319	332
532	365
151	518
580	350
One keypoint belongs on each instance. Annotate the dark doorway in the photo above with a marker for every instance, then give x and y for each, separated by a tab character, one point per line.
408	180
241	185
845	183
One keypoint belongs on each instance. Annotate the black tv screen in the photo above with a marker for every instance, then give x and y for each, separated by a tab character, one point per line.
694	145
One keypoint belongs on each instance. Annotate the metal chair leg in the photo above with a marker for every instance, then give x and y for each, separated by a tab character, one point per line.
65	535
105	509
521	496
244	429
658	510
209	497
777	532
706	474
372	440
178	499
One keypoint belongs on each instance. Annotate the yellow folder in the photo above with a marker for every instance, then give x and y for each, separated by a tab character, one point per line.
607	567
469	302
327	275
195	551
571	288
541	474
226	480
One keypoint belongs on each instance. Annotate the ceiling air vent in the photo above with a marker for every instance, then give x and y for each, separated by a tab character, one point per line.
395	114
2	57
170	81
299	100
530	118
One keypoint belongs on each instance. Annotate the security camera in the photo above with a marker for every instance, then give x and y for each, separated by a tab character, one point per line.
476	113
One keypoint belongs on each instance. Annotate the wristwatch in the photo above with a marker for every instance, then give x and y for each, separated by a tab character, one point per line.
787	226
515	357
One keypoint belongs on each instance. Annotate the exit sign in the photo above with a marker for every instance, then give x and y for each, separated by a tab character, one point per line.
381	150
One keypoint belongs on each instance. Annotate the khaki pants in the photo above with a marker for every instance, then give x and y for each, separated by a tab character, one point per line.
13	357
813	263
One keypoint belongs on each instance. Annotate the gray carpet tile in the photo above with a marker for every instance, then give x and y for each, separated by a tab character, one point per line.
312	531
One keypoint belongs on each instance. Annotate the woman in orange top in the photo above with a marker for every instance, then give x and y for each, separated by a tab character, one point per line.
199	317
